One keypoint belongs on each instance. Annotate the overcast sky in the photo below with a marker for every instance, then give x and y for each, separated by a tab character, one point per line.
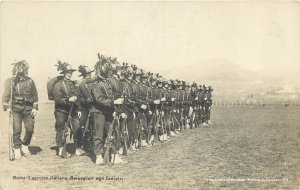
264	37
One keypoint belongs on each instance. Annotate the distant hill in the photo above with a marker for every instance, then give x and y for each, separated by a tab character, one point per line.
228	79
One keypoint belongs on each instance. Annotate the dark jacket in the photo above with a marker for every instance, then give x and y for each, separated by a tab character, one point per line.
62	91
24	93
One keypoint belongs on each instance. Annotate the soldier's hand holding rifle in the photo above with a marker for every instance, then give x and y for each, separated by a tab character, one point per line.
123	115
172	99
33	112
73	99
156	101
6	109
119	101
144	107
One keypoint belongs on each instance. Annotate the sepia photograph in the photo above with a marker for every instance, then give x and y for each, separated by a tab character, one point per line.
149	95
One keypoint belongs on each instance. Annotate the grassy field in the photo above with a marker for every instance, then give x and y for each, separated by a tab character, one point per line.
245	148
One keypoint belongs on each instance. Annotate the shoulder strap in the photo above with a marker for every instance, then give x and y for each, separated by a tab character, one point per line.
104	88
65	87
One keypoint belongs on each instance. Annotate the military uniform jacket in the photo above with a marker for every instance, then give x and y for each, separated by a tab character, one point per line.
128	96
116	86
24	93
84	95
159	93
103	97
62	91
138	96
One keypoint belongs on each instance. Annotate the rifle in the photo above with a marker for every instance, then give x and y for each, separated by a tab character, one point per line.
108	141
10	130
67	126
124	133
164	130
148	127
86	127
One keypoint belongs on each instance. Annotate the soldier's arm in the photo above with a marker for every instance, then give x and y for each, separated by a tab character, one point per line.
59	97
84	94
6	94
101	99
34	95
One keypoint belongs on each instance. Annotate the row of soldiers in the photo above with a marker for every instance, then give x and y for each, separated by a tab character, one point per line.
122	108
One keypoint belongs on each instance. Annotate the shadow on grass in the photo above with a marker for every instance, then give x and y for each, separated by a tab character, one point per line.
70	148
34	149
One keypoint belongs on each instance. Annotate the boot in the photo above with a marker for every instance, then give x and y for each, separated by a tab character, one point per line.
99	160
165	137
121	151
25	149
79	152
60	151
172	134
119	160
161	138
18	154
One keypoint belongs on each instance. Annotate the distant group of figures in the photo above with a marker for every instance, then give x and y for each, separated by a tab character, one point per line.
120	109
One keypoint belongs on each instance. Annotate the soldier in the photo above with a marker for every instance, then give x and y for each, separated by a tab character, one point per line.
194	122
66	104
201	104
153	107
139	107
117	90
144	109
129	105
85	101
208	104
24	106
102	110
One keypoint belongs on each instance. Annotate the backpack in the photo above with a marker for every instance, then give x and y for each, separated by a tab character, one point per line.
50	86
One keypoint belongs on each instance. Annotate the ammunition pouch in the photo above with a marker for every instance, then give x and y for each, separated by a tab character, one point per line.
19	100
23	101
28	101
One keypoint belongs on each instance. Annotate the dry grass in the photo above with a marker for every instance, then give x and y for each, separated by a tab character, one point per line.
258	143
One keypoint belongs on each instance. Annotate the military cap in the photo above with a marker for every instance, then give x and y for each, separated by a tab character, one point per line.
84	70
20	67
64	67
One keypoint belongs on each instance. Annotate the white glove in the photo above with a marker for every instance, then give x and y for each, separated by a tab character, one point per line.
114	114
174	110
73	99
79	114
123	115
33	112
163	99
144	106
119	101
156	101
8	111
150	112
157	112
172	99
162	113
196	98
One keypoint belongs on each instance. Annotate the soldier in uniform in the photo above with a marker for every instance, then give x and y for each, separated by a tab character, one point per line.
85	101
209	104
139	107
144	109
114	81
65	98
102	110
24	106
129	104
